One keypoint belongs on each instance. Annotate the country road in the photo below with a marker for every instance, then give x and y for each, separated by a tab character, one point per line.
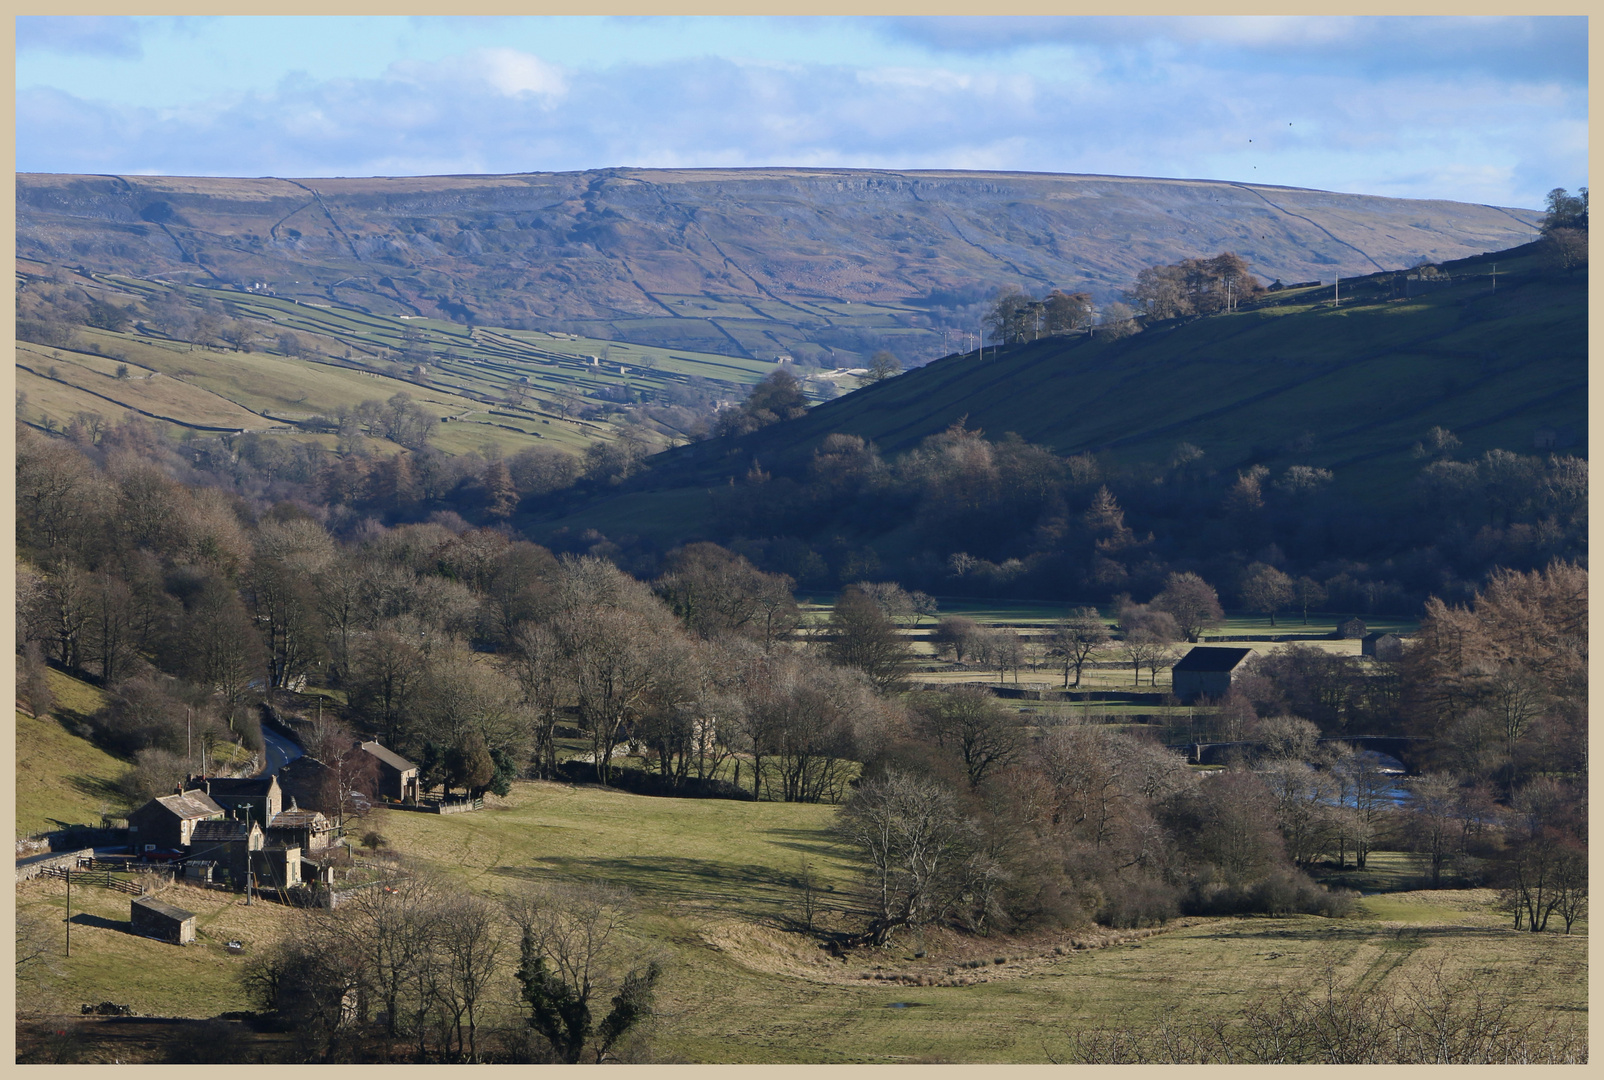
279	751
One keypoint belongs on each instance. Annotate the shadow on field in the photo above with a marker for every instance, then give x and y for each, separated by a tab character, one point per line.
97	788
805	840
122	926
1333	932
667	876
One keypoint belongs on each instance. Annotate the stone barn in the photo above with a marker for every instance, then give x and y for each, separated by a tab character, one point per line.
170	821
1207	671
1352	628
398	777
277	867
152	918
1382	646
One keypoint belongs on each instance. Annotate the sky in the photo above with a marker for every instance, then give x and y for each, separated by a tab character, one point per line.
1486	110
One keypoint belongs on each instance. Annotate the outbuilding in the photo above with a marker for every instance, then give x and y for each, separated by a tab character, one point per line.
1207	671
277	867
302	828
1382	646
152	918
1352	628
398	777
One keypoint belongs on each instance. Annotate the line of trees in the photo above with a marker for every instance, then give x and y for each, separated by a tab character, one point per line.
1194	287
1017	317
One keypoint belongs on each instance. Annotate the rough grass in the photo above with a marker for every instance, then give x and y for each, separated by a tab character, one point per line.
111	963
719	878
714	880
1364	382
62	779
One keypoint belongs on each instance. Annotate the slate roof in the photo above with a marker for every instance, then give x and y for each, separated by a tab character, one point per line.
1212	658
152	904
388	756
299	819
216	832
191	805
236	787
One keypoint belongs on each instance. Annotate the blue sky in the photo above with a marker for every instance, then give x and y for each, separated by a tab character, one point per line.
1487	110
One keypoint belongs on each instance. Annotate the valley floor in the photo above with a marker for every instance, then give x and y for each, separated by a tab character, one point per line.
718	884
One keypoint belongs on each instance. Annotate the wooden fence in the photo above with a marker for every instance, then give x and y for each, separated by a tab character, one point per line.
101	878
437	805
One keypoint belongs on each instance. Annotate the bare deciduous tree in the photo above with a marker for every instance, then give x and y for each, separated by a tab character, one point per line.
1193	603
969	722
575	948
921	848
1076	638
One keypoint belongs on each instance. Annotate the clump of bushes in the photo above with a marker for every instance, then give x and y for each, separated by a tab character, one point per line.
1282	892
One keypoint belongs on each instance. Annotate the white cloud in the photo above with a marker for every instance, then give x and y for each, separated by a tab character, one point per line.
504	110
512	72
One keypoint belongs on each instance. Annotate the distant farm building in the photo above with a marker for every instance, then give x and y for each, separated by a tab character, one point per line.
398	777
1382	646
152	918
170	821
1207	671
1352	628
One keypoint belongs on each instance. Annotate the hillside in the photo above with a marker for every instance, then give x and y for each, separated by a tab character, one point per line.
1295	381
509	389
822	264
63	779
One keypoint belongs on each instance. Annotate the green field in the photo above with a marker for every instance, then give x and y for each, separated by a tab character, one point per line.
715	880
497	387
63	779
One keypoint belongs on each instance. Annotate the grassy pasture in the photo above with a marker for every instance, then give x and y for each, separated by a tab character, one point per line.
714	875
80	385
714	879
111	963
62	779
